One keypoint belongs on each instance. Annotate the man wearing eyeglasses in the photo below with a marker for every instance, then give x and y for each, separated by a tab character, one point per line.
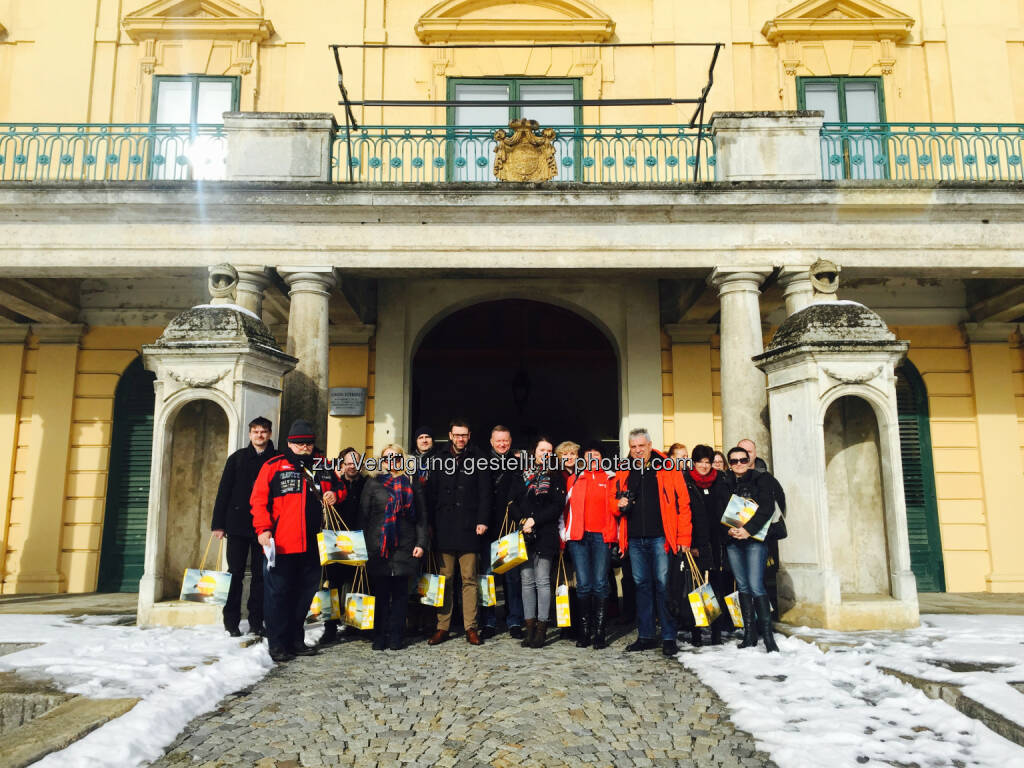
287	508
459	503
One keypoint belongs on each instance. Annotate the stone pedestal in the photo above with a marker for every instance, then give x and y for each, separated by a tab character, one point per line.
835	441
305	389
767	146
279	146
217	368
744	402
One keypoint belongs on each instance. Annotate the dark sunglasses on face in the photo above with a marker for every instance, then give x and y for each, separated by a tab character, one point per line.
738	461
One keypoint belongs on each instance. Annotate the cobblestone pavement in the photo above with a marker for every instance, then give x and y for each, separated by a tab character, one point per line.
453	704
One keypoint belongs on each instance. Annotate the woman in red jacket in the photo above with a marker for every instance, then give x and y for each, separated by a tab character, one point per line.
590	527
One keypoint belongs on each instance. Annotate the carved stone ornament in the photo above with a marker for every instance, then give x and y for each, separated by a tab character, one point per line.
524	155
824	276
223	280
198	383
860	376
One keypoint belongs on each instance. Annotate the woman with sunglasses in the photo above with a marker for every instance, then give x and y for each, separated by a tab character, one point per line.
709	494
748	556
395	525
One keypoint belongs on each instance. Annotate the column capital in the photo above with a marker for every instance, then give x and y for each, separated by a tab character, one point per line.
729	279
13	334
320	280
797	288
990	333
257	277
692	333
58	333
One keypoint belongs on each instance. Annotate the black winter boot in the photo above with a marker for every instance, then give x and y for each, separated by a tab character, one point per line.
696	637
764	623
540	635
749	621
586	624
600	606
531	631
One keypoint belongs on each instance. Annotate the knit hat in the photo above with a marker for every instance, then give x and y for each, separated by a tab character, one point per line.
422	431
301	432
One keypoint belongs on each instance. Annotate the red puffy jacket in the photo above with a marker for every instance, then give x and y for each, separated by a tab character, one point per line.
279	502
590	492
675	508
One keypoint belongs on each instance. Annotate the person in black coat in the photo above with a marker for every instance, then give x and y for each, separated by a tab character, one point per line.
395	526
459	503
537	507
748	556
350	482
709	495
232	516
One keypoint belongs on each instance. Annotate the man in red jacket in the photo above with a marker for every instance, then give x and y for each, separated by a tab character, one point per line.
655	511
287	508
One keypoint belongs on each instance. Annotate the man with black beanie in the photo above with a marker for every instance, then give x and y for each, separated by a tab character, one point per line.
287	509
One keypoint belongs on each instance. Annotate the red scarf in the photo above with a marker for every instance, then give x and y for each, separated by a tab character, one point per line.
704	481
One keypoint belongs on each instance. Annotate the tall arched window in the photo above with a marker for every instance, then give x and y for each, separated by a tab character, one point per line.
919	480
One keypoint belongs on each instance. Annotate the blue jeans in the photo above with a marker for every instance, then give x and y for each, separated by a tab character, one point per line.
591	557
747	562
649	560
288	589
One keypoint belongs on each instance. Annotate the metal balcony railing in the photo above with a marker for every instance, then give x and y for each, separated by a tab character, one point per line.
922	151
598	154
47	152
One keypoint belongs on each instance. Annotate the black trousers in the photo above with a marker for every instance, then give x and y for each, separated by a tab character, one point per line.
242	552
290	586
391	603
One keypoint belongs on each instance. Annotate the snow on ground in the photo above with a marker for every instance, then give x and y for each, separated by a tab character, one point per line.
177	673
810	708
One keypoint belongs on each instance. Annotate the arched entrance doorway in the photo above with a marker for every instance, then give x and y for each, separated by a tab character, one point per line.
131	452
919	480
532	366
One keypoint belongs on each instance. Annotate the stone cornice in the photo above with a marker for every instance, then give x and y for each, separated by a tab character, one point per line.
990	333
845	20
58	333
202	19
447	21
13	334
691	333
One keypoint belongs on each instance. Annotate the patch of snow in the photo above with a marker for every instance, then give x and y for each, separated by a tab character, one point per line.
808	708
178	673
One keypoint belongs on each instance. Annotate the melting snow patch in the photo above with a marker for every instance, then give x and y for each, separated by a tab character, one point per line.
808	708
177	674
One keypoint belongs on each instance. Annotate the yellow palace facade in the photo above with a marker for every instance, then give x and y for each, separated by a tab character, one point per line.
141	143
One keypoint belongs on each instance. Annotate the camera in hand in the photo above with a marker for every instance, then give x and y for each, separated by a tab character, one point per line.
630	497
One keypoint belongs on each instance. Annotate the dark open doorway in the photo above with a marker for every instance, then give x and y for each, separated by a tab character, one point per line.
534	367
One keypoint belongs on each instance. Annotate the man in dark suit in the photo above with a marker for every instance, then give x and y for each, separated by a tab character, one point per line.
232	517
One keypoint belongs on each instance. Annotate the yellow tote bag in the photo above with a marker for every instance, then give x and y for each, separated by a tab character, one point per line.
562	616
510	548
202	586
359	605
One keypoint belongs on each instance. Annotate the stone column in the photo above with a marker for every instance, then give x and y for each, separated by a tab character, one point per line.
1002	482
252	282
768	146
12	361
744	398
796	288
305	388
35	566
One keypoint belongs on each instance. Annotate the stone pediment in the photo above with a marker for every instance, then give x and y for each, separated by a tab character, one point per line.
839	19
493	20
205	19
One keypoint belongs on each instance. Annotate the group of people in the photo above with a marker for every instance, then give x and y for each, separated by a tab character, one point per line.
444	505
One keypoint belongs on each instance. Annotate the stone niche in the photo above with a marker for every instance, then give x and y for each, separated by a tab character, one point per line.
217	367
835	443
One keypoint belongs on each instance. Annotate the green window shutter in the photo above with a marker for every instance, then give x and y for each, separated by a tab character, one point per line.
919	481
127	507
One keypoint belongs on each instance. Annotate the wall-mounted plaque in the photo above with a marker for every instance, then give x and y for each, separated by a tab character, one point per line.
347	401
